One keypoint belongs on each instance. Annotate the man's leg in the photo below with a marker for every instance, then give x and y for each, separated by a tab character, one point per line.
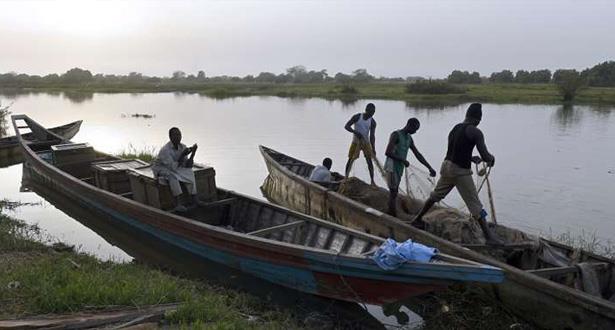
349	166
393	191
368	152
370	167
469	194
353	154
176	191
443	187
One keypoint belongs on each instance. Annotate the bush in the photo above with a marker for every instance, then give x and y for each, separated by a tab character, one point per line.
568	82
464	77
433	87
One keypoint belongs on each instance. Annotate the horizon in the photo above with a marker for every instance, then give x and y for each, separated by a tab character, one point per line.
245	37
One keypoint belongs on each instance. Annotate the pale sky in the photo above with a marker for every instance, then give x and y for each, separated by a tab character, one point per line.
390	38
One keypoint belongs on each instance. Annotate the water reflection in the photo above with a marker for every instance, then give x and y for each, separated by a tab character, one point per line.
156	253
426	106
566	116
78	97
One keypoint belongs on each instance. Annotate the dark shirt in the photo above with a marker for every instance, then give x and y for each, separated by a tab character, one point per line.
461	142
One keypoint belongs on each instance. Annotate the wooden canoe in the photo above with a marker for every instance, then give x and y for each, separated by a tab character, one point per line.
536	295
9	146
264	240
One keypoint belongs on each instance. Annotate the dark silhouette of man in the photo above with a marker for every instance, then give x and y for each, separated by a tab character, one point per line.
456	173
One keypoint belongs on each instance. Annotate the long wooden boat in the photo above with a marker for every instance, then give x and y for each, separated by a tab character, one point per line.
9	146
268	241
543	295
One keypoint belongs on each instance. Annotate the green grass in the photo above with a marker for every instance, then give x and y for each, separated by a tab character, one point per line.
35	279
488	92
146	154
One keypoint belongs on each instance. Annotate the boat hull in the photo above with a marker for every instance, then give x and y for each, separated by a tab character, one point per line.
534	299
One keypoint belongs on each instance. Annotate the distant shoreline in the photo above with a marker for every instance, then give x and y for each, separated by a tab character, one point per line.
486	92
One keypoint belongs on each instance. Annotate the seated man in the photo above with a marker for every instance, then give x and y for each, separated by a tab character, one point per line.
322	173
174	165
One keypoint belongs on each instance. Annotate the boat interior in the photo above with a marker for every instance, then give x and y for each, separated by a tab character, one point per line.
573	267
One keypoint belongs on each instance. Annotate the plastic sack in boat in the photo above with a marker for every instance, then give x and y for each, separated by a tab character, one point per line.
390	255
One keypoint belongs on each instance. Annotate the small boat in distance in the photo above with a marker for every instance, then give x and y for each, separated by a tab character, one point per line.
537	290
261	239
9	146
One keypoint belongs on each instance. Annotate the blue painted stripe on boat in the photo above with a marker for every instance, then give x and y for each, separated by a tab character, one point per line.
293	277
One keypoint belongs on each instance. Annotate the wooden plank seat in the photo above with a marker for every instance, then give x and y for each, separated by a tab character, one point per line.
222	202
499	247
269	230
557	271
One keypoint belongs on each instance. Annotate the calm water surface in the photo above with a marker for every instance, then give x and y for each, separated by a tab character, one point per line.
554	173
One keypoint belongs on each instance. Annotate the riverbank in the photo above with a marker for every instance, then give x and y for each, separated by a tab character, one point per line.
39	279
488	92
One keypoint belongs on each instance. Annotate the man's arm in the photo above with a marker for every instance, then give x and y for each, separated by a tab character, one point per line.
372	135
421	159
477	136
351	122
390	151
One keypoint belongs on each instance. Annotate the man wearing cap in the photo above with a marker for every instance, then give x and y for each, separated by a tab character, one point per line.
456	173
363	128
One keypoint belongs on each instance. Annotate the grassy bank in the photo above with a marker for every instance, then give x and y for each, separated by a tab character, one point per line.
489	92
36	279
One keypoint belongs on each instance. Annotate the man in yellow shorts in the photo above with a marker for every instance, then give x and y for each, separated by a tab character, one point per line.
363	127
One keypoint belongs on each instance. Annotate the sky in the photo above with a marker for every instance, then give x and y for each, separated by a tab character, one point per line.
388	38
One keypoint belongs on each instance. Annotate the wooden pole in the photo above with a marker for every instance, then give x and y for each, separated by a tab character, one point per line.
490	194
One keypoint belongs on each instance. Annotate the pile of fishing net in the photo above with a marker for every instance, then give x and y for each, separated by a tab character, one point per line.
448	223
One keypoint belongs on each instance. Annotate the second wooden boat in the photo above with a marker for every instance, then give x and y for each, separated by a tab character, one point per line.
539	290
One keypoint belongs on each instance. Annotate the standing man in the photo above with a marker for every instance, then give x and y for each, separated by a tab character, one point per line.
363	127
456	172
397	153
174	165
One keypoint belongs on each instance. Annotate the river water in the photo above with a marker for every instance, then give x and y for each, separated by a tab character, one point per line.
554	172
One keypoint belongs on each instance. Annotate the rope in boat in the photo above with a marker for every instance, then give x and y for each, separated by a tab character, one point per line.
339	273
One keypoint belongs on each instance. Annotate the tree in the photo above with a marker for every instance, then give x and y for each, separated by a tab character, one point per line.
76	75
540	76
464	77
179	75
601	75
361	76
505	76
568	82
265	77
522	77
342	78
200	76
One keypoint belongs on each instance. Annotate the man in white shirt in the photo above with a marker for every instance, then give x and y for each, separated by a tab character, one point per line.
363	128
322	173
173	166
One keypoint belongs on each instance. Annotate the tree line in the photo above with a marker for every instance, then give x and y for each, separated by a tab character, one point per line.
295	74
600	75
